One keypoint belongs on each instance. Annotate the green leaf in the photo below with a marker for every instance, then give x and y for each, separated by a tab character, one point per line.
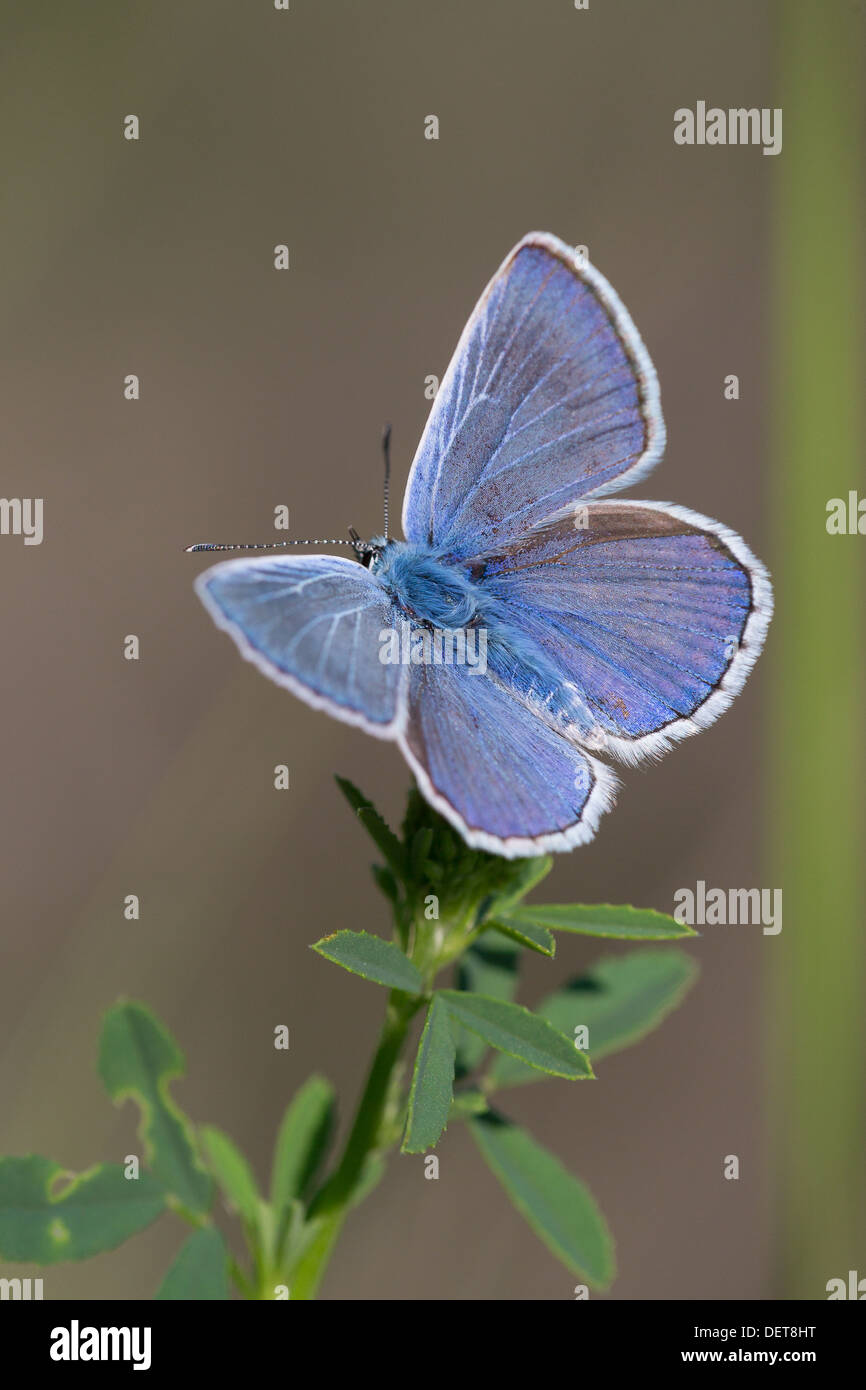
96	1211
420	849
527	934
511	1028
233	1173
432	1081
381	833
560	1210
525	875
201	1270
624	923
372	957
488	967
619	1000
302	1142
468	1103
137	1060
386	882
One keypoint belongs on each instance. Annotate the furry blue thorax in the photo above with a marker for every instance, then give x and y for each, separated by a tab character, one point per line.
441	595
435	593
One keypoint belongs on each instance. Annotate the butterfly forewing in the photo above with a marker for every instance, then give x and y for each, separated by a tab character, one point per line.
550	396
313	624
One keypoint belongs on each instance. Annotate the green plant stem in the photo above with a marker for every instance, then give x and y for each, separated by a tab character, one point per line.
817	824
240	1280
331	1205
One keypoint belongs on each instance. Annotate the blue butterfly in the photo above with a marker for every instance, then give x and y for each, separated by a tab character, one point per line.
610	626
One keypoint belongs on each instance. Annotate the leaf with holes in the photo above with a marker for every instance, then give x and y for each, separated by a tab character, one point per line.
43	1223
138	1059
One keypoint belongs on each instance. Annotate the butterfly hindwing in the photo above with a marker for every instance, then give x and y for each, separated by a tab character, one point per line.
510	784
550	396
655	614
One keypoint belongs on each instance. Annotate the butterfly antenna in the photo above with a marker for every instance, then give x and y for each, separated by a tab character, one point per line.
263	545
386	450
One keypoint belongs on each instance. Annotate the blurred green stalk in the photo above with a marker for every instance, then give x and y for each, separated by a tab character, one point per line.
818	1174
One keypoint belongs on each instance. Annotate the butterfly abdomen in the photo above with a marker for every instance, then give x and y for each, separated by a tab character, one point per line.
439	595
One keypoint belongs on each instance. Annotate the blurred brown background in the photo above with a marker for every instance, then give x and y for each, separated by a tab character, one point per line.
260	388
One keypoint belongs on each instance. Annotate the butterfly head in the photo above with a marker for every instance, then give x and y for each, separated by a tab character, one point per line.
368	553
